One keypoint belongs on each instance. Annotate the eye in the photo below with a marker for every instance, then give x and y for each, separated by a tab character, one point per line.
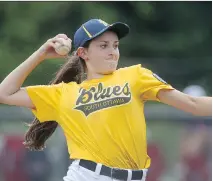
116	46
103	46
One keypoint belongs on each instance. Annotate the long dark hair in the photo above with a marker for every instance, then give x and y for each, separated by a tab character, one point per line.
73	70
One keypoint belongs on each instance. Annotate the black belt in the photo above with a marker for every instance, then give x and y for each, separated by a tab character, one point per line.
114	173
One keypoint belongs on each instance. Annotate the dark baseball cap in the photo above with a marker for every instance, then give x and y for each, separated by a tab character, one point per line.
96	27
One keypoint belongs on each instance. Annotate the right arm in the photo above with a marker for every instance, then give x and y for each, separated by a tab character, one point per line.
11	92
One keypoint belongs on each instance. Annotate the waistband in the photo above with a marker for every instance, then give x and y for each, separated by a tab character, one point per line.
114	173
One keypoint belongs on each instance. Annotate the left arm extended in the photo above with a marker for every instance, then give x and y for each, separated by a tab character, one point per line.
199	106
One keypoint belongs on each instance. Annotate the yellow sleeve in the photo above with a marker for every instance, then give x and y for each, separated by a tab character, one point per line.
46	99
149	84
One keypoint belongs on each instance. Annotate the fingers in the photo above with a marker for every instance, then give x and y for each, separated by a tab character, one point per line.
56	39
51	44
59	39
69	40
62	36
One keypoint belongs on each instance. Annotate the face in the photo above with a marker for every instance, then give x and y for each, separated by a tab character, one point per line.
102	55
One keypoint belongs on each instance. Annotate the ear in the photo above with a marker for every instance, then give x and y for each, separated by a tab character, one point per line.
82	52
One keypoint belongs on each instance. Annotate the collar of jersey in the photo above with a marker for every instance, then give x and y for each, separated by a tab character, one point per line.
93	81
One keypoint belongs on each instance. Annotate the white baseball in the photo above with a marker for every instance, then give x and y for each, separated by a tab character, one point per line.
63	48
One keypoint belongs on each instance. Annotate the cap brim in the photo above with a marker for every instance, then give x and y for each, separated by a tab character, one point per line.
121	29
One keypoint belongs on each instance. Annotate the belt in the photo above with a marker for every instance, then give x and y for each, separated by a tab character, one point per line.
115	173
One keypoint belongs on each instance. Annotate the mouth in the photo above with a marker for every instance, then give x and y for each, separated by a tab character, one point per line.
111	61
113	64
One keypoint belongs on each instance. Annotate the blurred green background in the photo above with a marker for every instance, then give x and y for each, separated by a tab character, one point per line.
173	39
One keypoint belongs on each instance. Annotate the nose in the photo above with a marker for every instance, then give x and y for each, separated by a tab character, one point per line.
113	52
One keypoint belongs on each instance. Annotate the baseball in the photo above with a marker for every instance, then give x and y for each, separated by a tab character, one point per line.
63	48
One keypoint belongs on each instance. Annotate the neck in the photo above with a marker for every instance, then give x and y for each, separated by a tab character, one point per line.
91	76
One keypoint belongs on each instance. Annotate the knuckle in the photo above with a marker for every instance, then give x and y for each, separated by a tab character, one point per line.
62	35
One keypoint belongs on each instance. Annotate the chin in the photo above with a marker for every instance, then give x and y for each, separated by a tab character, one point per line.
109	72
110	69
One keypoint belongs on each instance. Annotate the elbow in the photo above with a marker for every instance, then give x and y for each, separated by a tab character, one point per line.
194	106
1	96
1	99
196	109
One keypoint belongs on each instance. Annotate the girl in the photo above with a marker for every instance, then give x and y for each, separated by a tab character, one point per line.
101	115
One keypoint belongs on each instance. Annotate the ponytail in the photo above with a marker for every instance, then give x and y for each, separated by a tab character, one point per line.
72	71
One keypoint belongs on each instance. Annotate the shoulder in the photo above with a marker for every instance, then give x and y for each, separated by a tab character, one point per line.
56	86
129	68
69	85
134	69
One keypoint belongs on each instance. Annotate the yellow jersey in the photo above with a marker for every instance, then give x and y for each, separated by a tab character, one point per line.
102	119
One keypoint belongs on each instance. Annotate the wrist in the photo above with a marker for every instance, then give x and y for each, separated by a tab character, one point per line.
40	56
